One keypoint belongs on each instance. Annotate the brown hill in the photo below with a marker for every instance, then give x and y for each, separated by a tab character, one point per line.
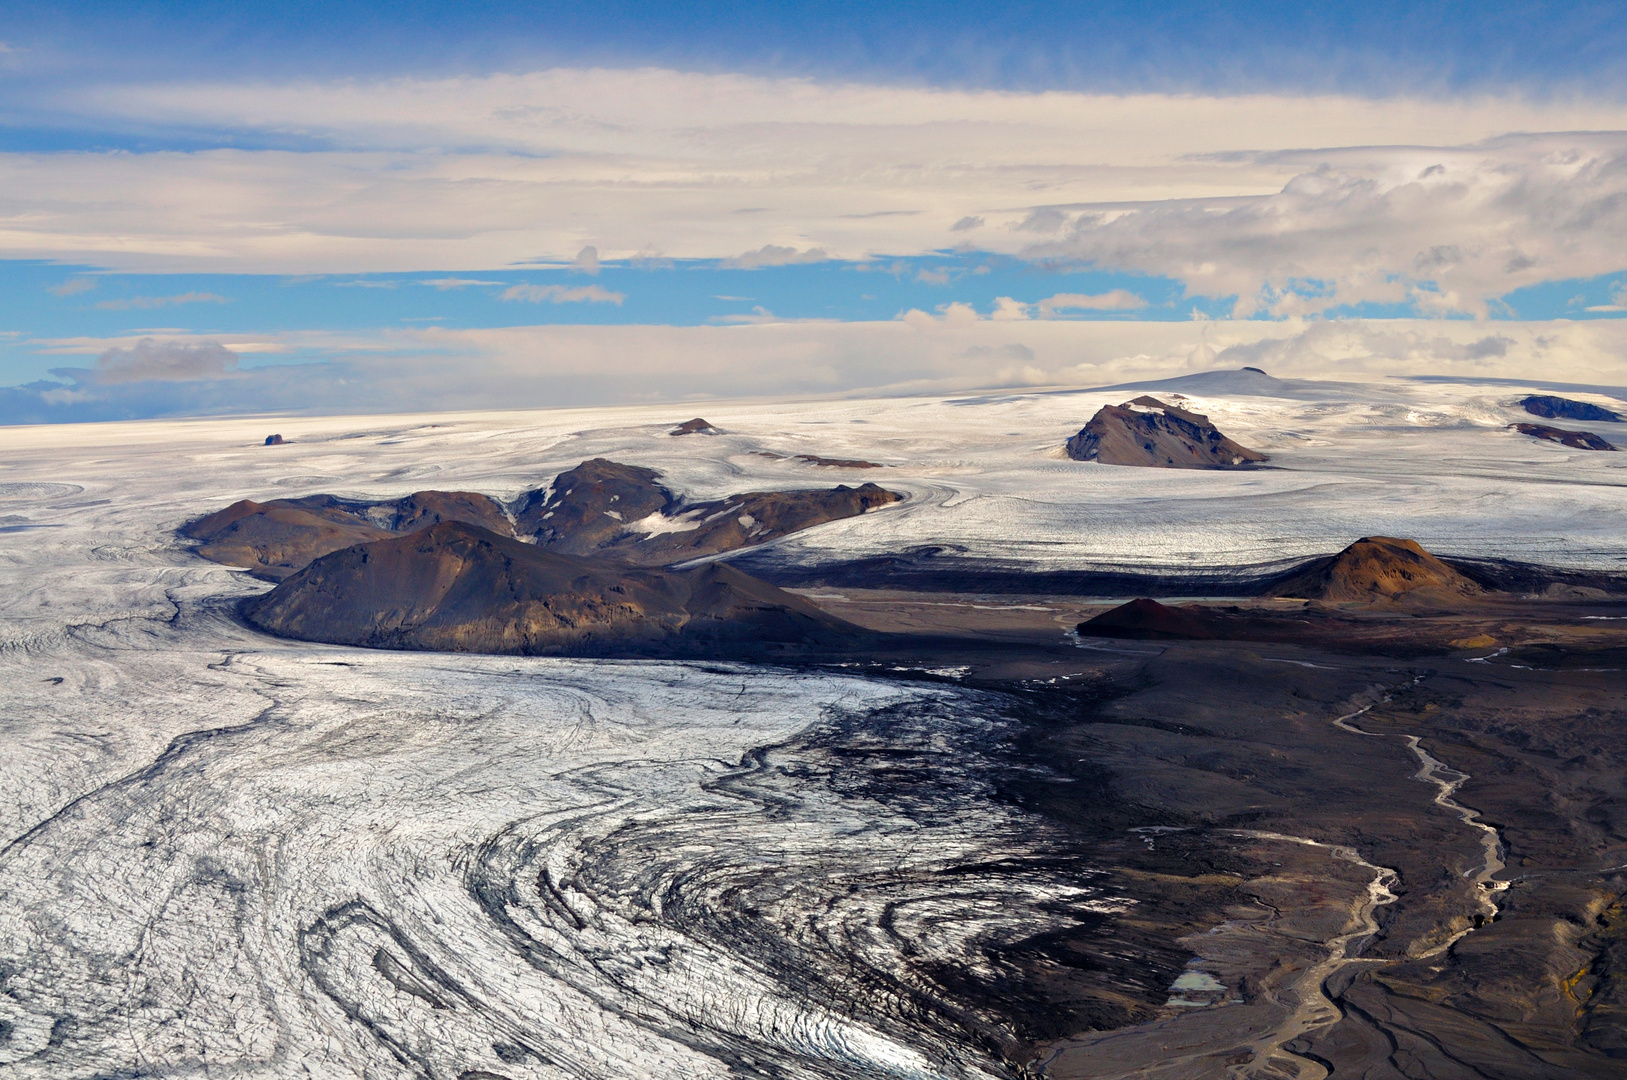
1150	433
624	512
273	539
1576	440
600	507
1378	568
585	507
1149	620
457	587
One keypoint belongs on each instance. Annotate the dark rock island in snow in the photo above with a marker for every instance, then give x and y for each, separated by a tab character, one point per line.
1558	408
1576	440
1148	432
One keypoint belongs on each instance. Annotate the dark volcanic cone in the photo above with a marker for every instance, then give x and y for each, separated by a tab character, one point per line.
460	588
1150	433
1148	619
1558	408
1576	440
1379	568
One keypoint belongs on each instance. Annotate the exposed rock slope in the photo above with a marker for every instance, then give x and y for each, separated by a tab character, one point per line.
1558	408
274	539
1576	440
458	587
1378	568
1151	433
603	507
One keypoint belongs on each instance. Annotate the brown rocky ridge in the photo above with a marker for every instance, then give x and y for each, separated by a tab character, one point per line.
1153	434
462	588
1558	408
624	512
621	512
274	539
1576	440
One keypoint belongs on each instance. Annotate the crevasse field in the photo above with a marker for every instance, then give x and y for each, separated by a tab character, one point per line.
224	854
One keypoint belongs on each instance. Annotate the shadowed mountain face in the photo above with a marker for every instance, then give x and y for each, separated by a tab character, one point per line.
1558	408
1576	440
274	539
1150	433
1377	568
460	588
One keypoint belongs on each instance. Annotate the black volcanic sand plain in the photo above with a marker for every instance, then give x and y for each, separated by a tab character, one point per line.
1194	773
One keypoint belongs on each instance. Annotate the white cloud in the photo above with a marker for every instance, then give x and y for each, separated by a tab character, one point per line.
1008	310
561	294
773	255
1113	300
1218	192
165	361
446	283
1446	228
586	261
73	286
554	365
142	303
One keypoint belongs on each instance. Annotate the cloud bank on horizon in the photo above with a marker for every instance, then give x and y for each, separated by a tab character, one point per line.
754	215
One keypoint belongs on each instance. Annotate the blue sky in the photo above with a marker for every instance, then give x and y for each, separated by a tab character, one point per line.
339	184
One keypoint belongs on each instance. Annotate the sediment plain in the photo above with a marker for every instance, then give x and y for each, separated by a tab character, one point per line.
988	847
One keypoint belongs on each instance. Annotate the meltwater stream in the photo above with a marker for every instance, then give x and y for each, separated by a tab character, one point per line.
391	865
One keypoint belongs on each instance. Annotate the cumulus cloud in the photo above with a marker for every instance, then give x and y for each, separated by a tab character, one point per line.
966	224
143	303
773	255
74	286
445	284
562	294
586	261
165	361
1448	230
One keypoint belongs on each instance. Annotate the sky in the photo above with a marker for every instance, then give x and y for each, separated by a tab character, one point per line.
339	207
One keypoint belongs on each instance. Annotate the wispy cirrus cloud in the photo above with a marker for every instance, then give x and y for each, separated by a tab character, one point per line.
73	286
446	284
143	303
563	294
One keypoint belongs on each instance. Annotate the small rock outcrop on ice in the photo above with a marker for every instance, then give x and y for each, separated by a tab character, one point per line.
1576	440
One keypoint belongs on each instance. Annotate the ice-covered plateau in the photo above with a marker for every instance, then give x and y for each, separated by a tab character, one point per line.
225	854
